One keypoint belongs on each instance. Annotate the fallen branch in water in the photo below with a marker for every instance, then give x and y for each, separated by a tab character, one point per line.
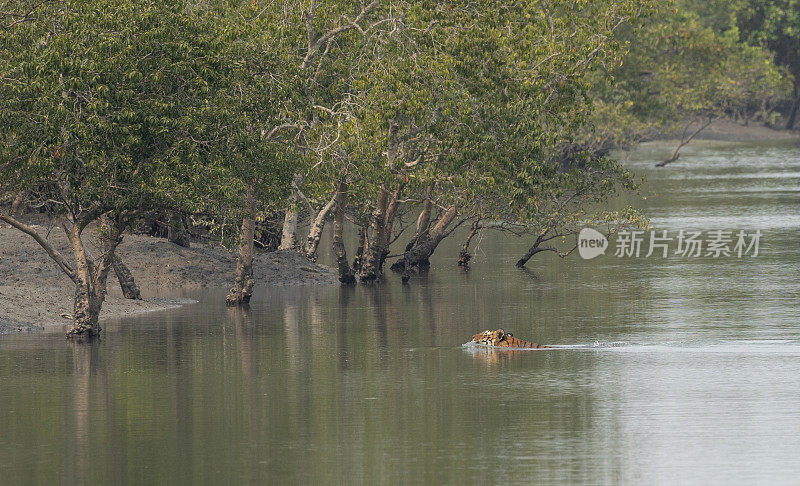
684	141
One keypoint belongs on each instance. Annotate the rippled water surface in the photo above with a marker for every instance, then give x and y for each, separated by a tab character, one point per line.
673	370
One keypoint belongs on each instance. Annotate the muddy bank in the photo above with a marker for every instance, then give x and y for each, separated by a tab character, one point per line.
730	131
10	326
34	293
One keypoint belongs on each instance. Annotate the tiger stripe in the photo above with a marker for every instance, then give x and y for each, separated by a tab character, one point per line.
501	339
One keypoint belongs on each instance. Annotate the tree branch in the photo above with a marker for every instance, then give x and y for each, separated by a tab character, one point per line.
684	141
54	254
315	44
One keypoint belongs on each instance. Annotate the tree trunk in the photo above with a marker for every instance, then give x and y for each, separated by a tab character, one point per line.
423	227
424	219
90	281
391	213
18	206
465	256
420	253
362	241
528	255
684	141
243	285
289	229
370	268
532	250
85	310
399	265
346	275
315	232
288	238
795	106
538	248
176	230
423	224
126	282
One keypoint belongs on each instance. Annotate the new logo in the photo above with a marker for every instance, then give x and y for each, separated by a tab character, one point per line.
591	243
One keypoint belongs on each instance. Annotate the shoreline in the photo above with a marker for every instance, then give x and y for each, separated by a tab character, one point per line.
730	131
35	293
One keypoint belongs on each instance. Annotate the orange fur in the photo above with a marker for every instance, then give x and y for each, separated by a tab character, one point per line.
501	339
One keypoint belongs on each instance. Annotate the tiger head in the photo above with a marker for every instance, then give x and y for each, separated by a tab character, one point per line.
491	338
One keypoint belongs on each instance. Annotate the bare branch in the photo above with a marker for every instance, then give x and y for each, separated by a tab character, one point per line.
272	133
23	17
314	45
54	254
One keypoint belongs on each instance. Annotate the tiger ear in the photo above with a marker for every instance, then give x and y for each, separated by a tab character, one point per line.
509	334
500	333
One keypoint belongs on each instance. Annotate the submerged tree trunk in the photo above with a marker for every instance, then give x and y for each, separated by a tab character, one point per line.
420	253
90	280
86	309
423	225
126	282
684	141
362	242
288	236
370	267
529	254
243	285
534	249
391	213
537	247
382	225
346	275
465	256
424	219
315	232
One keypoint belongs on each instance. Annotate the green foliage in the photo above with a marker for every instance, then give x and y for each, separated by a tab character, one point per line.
117	107
108	104
774	24
479	100
680	68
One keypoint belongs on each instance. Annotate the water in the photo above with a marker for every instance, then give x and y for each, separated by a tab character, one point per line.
674	370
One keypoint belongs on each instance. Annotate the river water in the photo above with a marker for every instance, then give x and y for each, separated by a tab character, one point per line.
672	369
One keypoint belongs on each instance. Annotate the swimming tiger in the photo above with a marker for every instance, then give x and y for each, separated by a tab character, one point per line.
502	339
